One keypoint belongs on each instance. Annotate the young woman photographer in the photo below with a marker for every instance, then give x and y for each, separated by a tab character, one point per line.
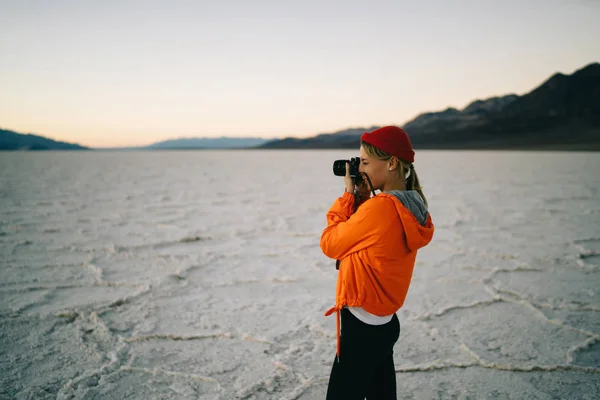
375	240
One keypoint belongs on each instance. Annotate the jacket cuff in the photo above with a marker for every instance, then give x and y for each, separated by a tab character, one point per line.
347	196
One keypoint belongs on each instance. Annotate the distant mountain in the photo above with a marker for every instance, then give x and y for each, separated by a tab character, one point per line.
475	114
338	139
10	140
562	113
208	143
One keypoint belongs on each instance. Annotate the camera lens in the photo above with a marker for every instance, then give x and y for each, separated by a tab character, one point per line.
339	167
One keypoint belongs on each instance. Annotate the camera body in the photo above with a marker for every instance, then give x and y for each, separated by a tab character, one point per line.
339	168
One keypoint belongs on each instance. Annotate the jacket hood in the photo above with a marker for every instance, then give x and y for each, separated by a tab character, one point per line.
415	217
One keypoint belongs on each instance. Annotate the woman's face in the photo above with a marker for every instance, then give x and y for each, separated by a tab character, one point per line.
377	170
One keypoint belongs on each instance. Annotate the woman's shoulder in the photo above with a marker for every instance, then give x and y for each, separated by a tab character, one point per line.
382	202
383	198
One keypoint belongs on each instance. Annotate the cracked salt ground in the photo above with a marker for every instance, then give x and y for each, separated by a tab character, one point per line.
185	275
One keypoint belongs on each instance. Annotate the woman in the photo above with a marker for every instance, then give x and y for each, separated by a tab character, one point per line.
377	245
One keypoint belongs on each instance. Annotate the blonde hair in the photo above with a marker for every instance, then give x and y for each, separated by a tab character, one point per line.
412	182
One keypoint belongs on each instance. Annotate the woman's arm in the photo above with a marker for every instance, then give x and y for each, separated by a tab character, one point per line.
347	233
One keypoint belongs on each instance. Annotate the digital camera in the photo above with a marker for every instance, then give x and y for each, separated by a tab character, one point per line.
339	168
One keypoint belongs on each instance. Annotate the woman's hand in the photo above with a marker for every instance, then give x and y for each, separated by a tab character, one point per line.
362	188
348	180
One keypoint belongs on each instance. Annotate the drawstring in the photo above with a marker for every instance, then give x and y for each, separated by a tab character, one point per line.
338	326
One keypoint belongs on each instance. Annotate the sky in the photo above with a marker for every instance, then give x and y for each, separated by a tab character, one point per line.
124	73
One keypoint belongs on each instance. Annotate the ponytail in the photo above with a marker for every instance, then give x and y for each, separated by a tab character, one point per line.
412	182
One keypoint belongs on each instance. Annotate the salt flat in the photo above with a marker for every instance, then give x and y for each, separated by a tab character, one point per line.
198	274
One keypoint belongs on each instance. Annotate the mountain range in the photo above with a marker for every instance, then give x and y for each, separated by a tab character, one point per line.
209	143
10	140
561	113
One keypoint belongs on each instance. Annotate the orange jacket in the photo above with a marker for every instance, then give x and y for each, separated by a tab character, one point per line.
377	246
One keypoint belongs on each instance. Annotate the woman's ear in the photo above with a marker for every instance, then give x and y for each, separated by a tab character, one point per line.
392	163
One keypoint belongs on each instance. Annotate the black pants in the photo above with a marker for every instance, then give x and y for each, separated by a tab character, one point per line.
366	364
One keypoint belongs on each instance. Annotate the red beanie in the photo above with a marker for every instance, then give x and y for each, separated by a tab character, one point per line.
392	140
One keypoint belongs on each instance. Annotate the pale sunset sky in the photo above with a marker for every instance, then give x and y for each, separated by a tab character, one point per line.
119	73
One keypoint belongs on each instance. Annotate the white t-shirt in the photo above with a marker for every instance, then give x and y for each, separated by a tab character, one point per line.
368	318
